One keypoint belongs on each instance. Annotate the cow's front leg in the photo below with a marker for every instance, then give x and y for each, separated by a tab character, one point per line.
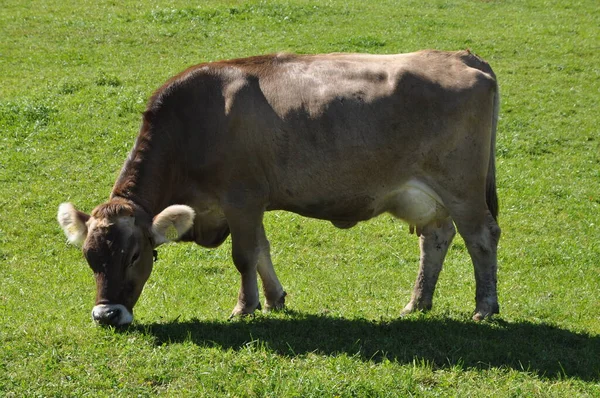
434	242
246	230
274	293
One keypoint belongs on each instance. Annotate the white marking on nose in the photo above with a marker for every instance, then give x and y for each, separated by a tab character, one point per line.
112	314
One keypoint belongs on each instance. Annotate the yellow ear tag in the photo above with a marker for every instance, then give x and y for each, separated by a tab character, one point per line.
171	233
72	229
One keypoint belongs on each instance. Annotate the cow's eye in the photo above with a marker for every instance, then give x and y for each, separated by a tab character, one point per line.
134	258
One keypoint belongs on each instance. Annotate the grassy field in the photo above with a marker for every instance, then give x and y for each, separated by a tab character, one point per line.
75	76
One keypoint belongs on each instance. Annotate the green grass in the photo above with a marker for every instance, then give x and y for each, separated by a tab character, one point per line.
75	77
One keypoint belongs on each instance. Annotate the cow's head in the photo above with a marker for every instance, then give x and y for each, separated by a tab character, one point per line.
118	242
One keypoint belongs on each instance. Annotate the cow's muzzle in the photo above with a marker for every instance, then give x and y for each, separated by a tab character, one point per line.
112	315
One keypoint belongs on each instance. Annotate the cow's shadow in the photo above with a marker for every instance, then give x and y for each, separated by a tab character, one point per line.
547	351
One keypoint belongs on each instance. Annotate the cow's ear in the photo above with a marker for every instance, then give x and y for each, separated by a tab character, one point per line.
172	223
73	223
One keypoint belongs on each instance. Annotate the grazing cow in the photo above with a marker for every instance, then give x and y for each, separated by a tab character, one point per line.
338	137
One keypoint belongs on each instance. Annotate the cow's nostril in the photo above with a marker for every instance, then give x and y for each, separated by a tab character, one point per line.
113	313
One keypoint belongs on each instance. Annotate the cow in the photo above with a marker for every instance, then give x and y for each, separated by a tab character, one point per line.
338	137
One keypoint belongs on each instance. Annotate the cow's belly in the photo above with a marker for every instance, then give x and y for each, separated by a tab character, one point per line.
413	201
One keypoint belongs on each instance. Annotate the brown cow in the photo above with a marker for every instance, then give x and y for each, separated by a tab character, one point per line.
339	137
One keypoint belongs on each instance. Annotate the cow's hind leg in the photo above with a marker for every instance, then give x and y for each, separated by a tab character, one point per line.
434	241
250	252
481	235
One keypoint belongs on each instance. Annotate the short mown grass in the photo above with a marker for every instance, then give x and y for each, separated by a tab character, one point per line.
75	77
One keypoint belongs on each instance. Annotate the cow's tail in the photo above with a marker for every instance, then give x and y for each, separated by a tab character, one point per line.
491	195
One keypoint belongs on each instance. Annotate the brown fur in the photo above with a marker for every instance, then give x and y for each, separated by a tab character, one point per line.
115	208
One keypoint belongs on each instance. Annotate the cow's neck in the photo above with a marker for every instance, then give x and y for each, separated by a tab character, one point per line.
149	174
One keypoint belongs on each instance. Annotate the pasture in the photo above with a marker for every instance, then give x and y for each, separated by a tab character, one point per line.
74	79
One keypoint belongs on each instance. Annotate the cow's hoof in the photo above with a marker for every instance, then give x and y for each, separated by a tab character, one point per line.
241	310
414	307
486	312
276	305
409	309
